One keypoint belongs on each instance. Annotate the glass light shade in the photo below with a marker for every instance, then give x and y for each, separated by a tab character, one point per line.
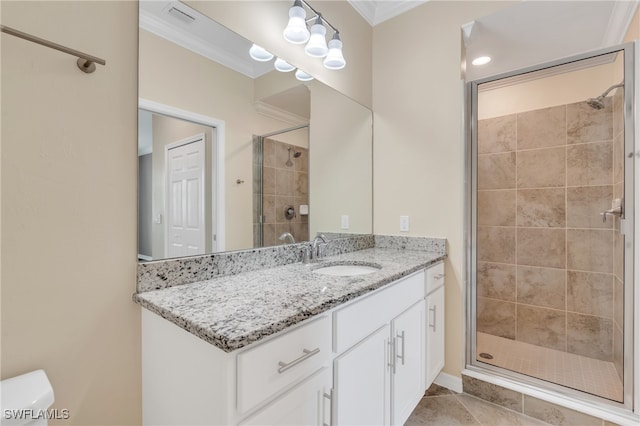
334	59
317	46
283	66
260	54
296	31
303	76
481	60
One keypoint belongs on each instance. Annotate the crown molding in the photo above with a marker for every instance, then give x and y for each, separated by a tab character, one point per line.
279	113
386	10
151	23
619	21
377	11
366	9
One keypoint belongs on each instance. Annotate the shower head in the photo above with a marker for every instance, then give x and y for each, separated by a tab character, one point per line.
598	103
296	154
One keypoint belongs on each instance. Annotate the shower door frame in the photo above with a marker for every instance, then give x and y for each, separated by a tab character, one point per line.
571	397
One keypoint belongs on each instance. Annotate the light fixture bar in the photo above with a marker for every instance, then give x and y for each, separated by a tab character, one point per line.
318	14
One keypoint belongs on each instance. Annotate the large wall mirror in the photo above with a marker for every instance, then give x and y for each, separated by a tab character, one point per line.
234	154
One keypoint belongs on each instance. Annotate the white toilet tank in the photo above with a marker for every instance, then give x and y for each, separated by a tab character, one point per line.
24	399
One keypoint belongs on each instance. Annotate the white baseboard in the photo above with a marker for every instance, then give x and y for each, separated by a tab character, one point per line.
450	382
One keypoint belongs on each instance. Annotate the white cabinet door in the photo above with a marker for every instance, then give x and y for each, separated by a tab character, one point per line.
408	371
307	404
435	334
361	382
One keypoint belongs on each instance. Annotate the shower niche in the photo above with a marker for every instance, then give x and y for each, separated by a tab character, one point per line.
281	187
549	269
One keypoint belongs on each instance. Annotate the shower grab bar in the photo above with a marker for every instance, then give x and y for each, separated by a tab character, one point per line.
86	63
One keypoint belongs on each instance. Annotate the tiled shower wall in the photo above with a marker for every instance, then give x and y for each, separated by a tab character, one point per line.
282	186
545	271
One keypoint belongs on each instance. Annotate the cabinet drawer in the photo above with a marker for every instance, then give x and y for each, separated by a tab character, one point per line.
356	321
435	277
274	365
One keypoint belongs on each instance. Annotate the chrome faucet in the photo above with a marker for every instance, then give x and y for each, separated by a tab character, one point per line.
314	251
287	235
317	247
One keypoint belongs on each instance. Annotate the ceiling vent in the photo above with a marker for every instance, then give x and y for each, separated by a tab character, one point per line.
181	16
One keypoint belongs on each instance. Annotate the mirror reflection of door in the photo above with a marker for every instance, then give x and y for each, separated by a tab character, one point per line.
176	186
185	197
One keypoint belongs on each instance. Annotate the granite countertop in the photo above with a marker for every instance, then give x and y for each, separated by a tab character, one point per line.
234	311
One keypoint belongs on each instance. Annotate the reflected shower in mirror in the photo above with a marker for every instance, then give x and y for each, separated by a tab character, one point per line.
281	187
201	73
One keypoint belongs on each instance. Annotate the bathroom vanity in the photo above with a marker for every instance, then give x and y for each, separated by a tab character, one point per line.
290	345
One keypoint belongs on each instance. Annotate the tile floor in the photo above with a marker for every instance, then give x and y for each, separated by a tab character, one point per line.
575	371
440	407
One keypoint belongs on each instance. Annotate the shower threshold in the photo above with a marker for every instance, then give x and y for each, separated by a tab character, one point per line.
575	371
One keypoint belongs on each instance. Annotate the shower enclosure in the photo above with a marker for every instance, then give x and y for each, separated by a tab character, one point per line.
550	200
281	187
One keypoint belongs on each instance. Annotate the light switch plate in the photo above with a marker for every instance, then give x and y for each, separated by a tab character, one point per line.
404	223
344	221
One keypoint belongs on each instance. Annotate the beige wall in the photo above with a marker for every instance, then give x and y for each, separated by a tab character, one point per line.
560	89
418	142
340	173
263	22
69	208
634	28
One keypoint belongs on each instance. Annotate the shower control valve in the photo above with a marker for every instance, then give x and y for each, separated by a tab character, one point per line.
289	212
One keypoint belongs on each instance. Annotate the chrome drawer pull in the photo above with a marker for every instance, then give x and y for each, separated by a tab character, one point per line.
306	355
437	277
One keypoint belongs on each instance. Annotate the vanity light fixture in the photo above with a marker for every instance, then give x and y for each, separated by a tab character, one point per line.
283	66
303	76
260	54
334	59
481	60
317	46
297	32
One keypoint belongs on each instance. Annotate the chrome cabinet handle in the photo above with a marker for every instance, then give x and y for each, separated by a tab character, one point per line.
392	355
401	336
433	309
306	355
328	396
437	277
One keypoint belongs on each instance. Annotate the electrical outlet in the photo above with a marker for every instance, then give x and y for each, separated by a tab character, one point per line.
404	223
344	221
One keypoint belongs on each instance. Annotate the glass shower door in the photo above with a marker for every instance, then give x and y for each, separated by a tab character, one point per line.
549	192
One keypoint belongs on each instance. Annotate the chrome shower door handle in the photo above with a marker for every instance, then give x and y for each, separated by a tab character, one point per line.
614	211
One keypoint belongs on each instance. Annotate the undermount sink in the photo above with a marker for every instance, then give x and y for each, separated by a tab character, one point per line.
347	270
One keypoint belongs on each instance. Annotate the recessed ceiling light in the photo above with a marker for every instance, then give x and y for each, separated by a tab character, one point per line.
481	60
